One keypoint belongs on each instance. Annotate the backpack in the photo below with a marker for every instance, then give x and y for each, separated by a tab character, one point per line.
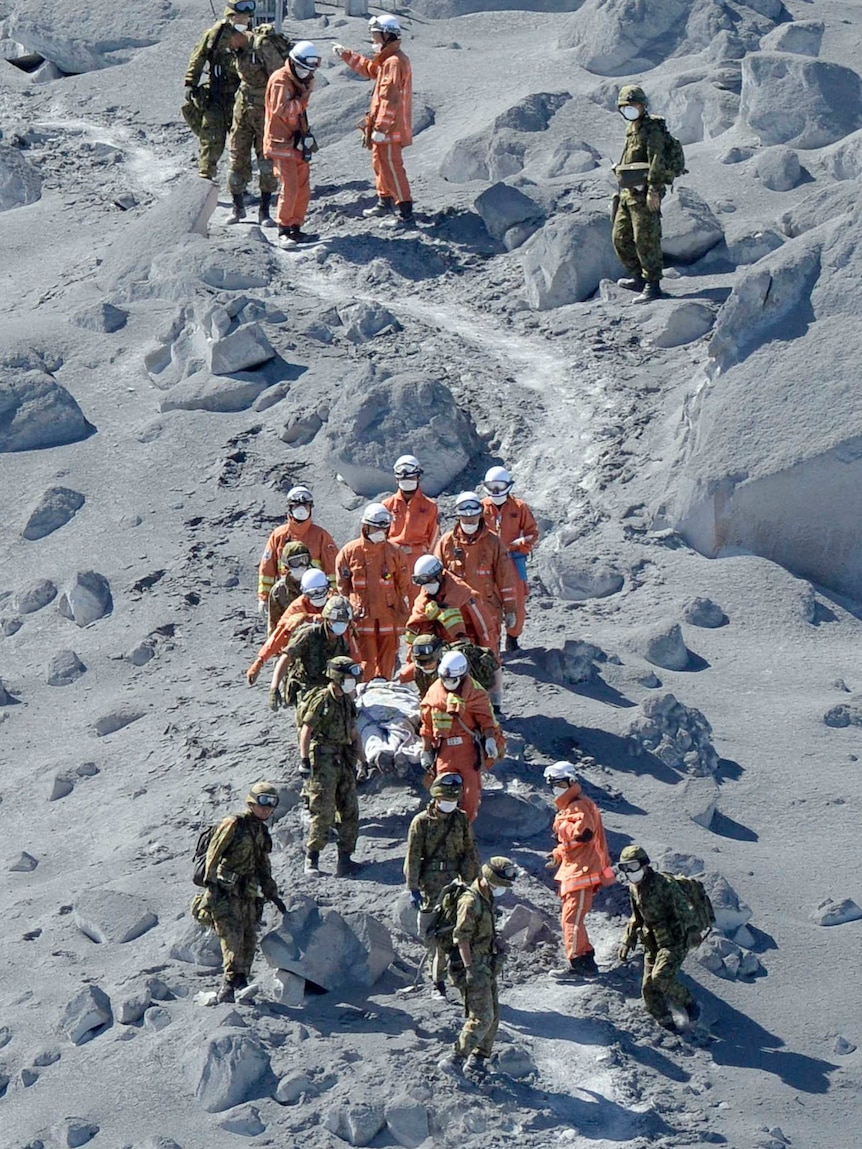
698	899
674	165
480	660
277	40
442	917
199	858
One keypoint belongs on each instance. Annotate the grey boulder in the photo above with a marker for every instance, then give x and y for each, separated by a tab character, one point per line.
363	322
65	668
20	181
678	735
832	913
663	646
233	1068
101	317
24	864
356	1124
507	816
204	392
679	324
803	37
112	916
789	99
407	1121
34	596
689	226
504	208
779	169
116	720
705	613
54	510
86	1015
36	412
87	599
193	944
240	350
566	260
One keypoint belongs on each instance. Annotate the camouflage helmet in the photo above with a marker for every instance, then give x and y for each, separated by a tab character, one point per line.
634	854
294	550
342	667
427	648
631	94
447	786
337	609
262	794
500	871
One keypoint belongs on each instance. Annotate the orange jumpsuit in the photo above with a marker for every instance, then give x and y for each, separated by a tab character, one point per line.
319	542
390	113
460	614
449	721
514	520
414	527
374	577
583	865
300	610
482	561
286	114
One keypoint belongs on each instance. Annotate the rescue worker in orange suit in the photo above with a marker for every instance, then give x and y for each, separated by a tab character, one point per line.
414	516
582	862
475	554
315	588
298	528
285	138
372	573
389	120
446	607
513	521
459	732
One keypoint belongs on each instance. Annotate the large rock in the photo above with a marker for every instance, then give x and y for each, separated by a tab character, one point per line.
790	99
727	959
35	411
779	169
108	37
239	350
662	644
565	261
374	421
101	317
697	105
64	668
678	735
87	599
86	1015
20	182
327	948
357	1124
680	323
205	392
499	151
574	576
504	208
508	817
730	912
193	944
803	37
34	596
112	916
699	800
689	227
117	719
233	1068
407	1120
705	613
832	913
848	713
363	321
54	510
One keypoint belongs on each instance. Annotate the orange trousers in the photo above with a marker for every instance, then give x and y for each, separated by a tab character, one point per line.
295	190
390	179
522	591
378	649
465	765
576	905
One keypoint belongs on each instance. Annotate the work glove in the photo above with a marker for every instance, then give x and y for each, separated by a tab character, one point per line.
261	606
491	747
378	137
252	673
274	700
587	836
426	759
551	863
510	620
653	199
279	905
415	899
189	94
625	952
519	542
340	51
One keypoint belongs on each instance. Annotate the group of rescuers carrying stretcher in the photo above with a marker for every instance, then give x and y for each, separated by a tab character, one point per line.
335	619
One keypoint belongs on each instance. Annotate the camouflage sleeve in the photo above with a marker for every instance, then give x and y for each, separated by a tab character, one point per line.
219	842
413	857
466	921
470	855
264	872
633	928
656	156
197	60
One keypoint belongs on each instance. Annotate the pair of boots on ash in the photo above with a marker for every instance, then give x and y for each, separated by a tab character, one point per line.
648	289
394	216
345	868
582	966
263	216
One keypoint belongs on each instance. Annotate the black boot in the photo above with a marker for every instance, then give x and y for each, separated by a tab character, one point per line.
404	218
346	867
263	216
311	867
238	208
382	208
585	965
651	292
226	994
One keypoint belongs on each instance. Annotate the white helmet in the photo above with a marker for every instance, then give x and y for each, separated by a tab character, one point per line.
315	585
376	515
300	496
498	481
453	664
386	24
560	772
305	58
428	568
467	504
407	467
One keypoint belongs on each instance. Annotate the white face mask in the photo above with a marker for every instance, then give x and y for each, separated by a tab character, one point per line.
431	588
469	528
300	514
408	484
338	627
499	891
376	536
451	683
348	685
498	500
631	113
446	807
634	877
301	73
318	598
239	27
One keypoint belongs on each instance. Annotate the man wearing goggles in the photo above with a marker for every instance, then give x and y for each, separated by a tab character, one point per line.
293	562
299	527
513	521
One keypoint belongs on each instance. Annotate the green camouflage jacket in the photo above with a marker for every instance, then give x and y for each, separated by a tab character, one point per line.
440	844
212	49
310	648
645	144
332	720
475	924
238	857
661	916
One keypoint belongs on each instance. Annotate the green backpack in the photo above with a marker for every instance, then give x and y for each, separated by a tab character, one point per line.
278	40
674	161
444	914
698	899
480	660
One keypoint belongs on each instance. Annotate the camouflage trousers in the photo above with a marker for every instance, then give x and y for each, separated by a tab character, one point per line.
431	887
660	984
247	133
482	1010
636	236
330	797
235	921
215	125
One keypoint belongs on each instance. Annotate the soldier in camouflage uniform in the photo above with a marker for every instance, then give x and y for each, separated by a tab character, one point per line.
238	879
216	50
329	741
665	924
293	562
309	651
440	848
427	650
255	63
636	231
475	965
